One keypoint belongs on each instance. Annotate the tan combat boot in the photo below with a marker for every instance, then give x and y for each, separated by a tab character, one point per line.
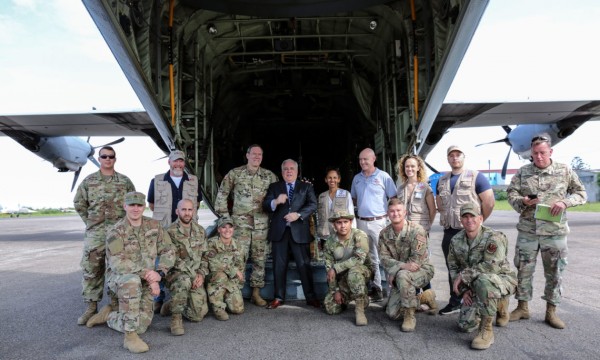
359	312
256	299
485	337
521	312
177	325
551	317
101	317
89	312
165	309
134	344
502	316
410	322
427	297
221	314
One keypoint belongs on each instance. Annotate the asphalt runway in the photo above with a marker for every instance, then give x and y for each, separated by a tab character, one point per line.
40	286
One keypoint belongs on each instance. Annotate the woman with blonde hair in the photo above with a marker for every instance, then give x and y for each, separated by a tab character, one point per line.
415	192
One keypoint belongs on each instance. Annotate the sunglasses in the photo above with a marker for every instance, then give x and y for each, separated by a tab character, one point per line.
539	138
107	157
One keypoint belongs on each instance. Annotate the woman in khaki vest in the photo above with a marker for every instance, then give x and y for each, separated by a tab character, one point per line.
415	192
330	201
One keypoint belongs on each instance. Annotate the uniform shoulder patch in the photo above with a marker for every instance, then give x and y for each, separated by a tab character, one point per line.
421	238
491	248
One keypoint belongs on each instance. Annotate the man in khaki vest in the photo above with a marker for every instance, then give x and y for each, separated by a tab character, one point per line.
164	194
457	187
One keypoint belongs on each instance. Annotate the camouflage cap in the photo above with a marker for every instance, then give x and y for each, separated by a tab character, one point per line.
135	197
224	220
452	148
469	208
176	155
344	214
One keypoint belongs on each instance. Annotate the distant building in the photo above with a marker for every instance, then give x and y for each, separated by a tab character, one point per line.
589	178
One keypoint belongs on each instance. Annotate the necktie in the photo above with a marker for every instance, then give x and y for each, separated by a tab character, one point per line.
291	192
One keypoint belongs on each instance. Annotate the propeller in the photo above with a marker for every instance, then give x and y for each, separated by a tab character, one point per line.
92	158
507	142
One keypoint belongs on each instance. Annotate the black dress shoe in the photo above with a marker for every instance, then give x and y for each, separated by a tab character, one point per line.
275	304
313	303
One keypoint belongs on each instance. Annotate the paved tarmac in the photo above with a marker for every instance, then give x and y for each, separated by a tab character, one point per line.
40	286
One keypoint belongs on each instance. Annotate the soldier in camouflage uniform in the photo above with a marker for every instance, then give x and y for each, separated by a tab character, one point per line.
139	252
248	185
99	202
226	277
186	278
348	267
558	187
404	253
481	275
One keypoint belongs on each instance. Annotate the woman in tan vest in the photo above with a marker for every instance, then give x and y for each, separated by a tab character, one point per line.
330	201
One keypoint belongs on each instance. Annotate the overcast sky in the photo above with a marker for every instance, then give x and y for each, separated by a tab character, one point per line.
54	60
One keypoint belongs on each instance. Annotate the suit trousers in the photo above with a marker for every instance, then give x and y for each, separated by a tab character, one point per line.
301	255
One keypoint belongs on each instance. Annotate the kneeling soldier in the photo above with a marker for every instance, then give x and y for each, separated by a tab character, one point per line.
404	253
138	251
186	278
481	275
225	265
348	267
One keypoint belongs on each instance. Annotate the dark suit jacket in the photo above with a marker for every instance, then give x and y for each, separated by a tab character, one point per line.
304	202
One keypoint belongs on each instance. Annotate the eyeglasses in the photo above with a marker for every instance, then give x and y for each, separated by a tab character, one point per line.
539	138
107	157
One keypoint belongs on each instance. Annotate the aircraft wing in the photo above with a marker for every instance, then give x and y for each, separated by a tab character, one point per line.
133	123
567	116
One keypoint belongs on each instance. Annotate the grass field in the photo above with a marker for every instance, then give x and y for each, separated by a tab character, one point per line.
588	207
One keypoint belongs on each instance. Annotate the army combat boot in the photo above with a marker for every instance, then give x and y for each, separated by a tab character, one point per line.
521	312
256	299
221	314
101	317
165	309
359	311
427	297
552	319
134	344
485	337
410	322
177	325
502	312
89	312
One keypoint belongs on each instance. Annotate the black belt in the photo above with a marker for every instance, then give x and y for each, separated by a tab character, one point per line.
372	218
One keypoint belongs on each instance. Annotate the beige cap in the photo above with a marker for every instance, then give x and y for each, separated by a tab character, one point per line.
176	155
469	208
341	215
453	148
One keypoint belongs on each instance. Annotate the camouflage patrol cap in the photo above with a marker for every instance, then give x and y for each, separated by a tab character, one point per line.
469	208
135	197
176	155
344	214
224	220
452	148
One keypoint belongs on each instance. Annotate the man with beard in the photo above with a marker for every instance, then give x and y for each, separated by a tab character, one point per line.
166	190
186	279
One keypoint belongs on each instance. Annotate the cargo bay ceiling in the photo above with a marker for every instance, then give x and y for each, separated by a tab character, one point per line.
311	80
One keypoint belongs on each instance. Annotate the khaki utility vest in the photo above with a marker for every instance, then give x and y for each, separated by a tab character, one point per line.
464	192
163	197
324	227
416	208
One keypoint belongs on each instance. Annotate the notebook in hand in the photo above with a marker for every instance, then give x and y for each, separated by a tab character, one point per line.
542	212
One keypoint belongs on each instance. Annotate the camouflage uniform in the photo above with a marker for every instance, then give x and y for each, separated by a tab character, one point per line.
555	183
130	253
223	286
485	270
189	248
396	250
99	202
352	264
250	221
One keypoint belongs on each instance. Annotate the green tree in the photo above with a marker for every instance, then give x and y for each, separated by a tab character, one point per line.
578	164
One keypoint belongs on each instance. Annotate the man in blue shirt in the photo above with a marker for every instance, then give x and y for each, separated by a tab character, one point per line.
371	190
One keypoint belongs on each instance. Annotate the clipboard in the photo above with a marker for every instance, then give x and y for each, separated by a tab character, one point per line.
542	212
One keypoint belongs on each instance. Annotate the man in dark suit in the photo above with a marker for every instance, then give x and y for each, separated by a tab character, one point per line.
290	203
